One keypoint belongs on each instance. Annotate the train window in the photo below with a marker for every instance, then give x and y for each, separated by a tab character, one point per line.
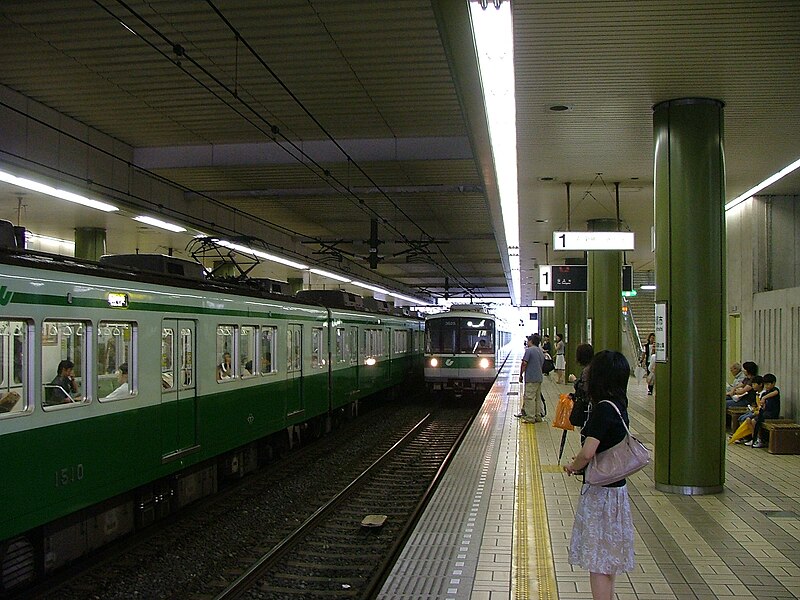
352	345
294	348
186	357
318	359
15	356
167	358
400	341
477	336
340	345
247	349
64	360
267	350
226	341
116	372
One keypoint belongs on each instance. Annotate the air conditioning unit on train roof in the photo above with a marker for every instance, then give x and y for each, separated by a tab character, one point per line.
332	298
470	307
378	306
157	263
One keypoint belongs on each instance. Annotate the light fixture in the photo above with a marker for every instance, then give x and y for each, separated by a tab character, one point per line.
494	42
369	286
647	287
260	254
35	186
329	275
159	223
767	182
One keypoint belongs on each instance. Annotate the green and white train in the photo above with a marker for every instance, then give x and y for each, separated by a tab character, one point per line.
465	348
82	469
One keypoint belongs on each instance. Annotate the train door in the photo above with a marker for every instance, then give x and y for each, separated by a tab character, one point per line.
352	351
178	389
294	369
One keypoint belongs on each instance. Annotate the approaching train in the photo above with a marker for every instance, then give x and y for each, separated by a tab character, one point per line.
465	348
126	395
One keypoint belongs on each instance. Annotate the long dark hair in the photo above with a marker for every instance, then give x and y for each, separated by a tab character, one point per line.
609	372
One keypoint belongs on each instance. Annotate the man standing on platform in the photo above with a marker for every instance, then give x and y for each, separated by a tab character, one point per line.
531	372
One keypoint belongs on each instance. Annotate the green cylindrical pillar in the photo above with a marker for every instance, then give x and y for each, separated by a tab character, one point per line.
604	302
295	284
576	329
90	242
690	291
559	316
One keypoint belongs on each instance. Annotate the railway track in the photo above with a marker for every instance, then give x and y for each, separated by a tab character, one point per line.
347	547
197	554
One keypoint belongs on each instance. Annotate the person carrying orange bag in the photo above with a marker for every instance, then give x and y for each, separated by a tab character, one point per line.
561	419
563	410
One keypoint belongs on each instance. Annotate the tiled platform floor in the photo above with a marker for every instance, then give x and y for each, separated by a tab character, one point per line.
742	543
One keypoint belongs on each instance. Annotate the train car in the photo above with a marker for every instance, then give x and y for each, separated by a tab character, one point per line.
465	348
125	396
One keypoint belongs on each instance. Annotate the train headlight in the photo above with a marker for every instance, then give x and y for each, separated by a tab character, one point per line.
370	361
484	363
434	362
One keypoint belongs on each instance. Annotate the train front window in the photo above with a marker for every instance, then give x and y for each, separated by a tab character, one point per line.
441	336
64	352
14	361
476	336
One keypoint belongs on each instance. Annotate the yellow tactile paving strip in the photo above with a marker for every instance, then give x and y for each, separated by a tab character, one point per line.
532	564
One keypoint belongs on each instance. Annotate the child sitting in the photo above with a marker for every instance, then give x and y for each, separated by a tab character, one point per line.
769	408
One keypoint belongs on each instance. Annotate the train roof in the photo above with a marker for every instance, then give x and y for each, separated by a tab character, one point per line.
125	272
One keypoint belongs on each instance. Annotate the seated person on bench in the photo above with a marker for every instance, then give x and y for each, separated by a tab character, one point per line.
735	398
770	408
738	377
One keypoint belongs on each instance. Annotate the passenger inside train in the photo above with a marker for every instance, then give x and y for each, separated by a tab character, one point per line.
224	368
123	388
63	389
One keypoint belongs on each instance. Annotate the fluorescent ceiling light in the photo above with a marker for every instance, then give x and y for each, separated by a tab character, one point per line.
35	186
47	239
416	301
159	223
493	39
329	275
766	183
371	287
647	287
264	255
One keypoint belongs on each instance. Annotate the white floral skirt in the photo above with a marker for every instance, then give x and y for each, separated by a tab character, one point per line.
560	362
602	536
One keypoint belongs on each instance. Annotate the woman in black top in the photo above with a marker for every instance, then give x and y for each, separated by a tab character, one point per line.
602	534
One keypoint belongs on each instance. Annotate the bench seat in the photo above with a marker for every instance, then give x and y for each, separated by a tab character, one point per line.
784	437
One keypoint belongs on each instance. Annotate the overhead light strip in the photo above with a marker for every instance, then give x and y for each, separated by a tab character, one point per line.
329	275
42	188
766	183
159	223
494	41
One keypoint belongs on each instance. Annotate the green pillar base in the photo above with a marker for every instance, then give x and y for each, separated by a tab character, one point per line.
689	490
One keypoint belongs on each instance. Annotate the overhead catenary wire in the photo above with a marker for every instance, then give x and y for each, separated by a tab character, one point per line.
272	131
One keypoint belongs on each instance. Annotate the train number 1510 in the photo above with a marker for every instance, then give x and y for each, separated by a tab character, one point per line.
69	475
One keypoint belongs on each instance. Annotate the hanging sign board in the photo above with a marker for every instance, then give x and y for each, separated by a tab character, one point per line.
545	279
592	240
568	278
661	332
574	278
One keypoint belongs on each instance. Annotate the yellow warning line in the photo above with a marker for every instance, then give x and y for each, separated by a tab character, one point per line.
533	572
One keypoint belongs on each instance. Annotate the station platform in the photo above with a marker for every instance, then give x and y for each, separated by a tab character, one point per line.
499	524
